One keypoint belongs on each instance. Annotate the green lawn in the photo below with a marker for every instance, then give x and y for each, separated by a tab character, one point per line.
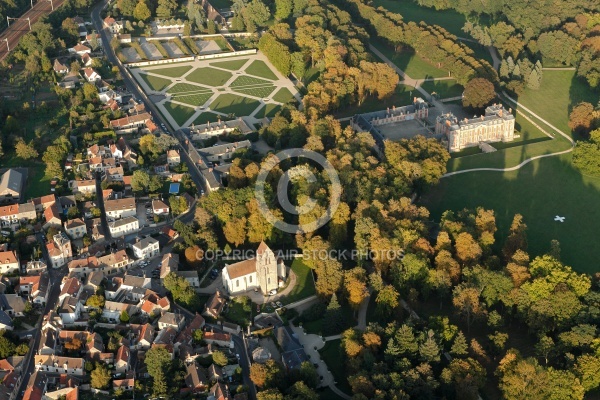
539	191
218	4
179	113
268	110
180	88
222	42
232	65
172	72
401	97
196	99
450	20
207	116
331	353
445	89
209	76
559	92
248	81
284	96
261	69
155	82
229	103
257	91
408	61
305	285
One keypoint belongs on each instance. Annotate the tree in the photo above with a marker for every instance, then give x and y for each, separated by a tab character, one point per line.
158	361
96	301
544	347
7	348
478	93
467	249
387	300
178	204
429	349
586	155
24	150
219	358
504	71
517	238
459	346
355	287
72	213
141	11
124	317
166	8
587	369
269	394
283	9
74	344
100	377
466	377
333	320
309	375
198	336
406	341
581	118
266	375
140	180
22	349
301	391
466	301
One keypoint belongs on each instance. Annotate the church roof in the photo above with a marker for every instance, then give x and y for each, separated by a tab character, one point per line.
241	268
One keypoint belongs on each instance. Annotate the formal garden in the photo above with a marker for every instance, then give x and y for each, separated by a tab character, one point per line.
202	91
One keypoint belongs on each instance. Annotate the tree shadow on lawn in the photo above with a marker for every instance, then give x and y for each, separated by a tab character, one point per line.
539	191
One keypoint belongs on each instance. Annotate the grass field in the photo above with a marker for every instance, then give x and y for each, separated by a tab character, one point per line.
179	113
268	110
172	72
559	92
305	285
408	61
450	20
257	91
284	96
155	82
183	87
207	116
209	76
229	103
196	99
331	354
248	81
539	190
261	69
401	97
445	89
232	65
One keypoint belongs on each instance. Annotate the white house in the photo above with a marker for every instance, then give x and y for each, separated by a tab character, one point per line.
263	271
113	25
70	310
84	186
91	75
75	228
60	68
145	248
173	158
60	250
9	262
61	365
80	49
123	226
191	277
159	207
120	208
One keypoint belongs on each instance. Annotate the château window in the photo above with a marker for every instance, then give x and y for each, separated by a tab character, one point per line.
237	283
250	279
269	280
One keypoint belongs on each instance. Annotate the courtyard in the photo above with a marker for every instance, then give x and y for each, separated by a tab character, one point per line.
200	91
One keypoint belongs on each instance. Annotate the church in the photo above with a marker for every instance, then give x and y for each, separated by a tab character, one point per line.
263	272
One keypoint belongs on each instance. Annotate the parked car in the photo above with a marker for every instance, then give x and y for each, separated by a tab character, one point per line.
273	292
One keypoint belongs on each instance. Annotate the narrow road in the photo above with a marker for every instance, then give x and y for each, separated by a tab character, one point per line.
133	88
100	203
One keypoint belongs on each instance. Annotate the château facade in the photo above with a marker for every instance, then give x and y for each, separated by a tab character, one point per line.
497	125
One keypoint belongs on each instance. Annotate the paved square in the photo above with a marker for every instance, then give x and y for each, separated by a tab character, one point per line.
203	91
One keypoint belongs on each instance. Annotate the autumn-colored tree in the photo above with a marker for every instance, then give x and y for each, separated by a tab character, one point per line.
387	300
74	344
581	118
517	238
355	286
467	249
466	301
478	93
266	375
371	340
24	150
